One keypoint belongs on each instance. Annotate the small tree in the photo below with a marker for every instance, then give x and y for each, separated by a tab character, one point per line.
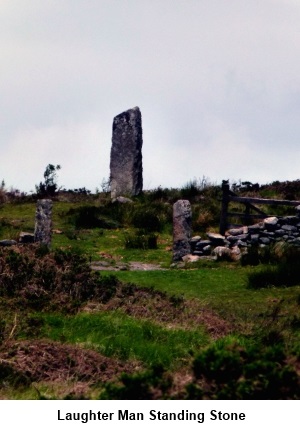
49	187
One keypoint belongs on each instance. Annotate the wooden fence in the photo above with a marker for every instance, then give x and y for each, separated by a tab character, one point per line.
249	202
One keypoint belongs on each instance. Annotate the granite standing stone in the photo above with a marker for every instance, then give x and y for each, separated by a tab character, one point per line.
126	169
182	229
43	222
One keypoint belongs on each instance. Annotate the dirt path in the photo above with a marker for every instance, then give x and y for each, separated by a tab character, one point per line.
133	265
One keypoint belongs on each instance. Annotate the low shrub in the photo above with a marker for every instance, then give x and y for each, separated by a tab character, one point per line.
59	280
148	385
158	194
146	219
220	372
251	257
285	274
12	378
243	373
140	240
190	190
274	254
90	217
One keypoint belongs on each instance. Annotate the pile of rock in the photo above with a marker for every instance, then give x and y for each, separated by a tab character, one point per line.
272	229
204	247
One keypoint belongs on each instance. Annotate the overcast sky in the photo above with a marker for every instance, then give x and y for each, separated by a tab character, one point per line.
217	82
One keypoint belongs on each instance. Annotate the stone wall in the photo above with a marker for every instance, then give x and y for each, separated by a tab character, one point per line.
270	230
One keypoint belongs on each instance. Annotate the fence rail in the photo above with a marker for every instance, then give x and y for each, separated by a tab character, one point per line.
249	202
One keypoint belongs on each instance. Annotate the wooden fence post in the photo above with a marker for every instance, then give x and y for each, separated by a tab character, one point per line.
224	208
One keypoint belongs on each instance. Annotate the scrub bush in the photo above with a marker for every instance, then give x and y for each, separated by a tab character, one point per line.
232	372
57	280
140	240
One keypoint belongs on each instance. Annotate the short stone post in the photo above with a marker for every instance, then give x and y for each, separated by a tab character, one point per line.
182	229
43	222
126	170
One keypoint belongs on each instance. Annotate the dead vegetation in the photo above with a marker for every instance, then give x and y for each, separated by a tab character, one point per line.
170	311
27	363
42	360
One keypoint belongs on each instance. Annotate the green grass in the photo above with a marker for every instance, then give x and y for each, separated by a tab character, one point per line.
115	334
91	242
218	286
16	218
223	289
97	242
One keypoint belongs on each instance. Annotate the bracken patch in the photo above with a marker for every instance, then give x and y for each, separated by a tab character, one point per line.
42	361
173	312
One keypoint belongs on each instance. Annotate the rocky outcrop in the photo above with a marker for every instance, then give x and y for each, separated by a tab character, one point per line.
126	170
182	229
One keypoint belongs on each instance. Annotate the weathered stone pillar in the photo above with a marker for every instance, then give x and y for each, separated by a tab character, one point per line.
43	222
126	170
182	229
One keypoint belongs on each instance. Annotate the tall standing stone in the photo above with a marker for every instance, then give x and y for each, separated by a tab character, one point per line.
126	170
182	229
43	222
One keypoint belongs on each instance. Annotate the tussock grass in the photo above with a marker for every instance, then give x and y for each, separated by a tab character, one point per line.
116	334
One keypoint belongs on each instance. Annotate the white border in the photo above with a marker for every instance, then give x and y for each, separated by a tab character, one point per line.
41	414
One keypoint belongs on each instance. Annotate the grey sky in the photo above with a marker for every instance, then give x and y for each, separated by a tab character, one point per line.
217	82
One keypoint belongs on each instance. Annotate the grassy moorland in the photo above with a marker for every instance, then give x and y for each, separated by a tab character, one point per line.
210	330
